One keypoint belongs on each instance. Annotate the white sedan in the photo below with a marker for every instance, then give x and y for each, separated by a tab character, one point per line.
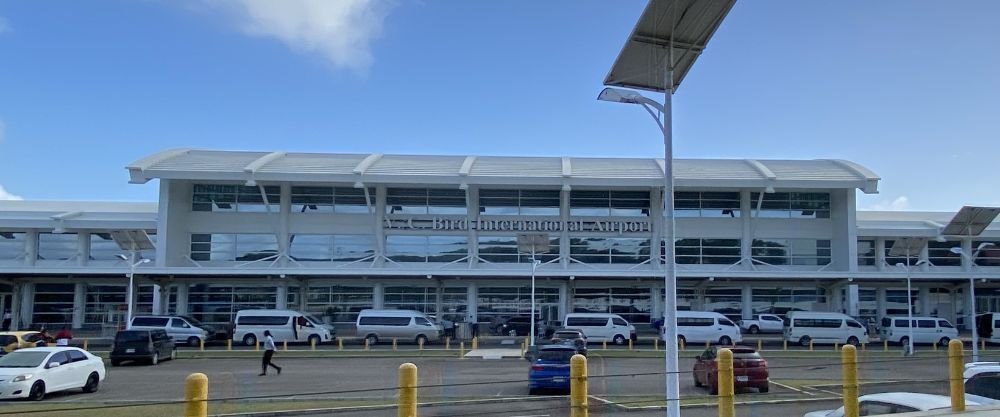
892	403
33	372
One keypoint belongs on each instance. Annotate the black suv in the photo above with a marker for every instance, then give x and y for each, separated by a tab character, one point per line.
142	345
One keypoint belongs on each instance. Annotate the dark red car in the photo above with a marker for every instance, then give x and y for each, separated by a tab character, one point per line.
749	369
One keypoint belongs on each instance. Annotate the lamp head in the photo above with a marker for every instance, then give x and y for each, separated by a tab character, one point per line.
122	257
769	190
359	184
251	183
144	261
618	95
900	265
985	245
463	186
940	239
956	250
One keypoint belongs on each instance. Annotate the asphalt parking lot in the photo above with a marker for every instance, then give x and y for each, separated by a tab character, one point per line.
800	382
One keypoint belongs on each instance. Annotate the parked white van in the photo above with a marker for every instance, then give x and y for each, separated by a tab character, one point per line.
821	327
375	325
707	326
285	325
988	327
601	327
182	329
925	330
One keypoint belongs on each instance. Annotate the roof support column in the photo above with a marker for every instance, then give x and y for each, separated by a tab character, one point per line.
182	297
79	304
472	213
564	300
880	254
380	225
82	248
746	300
880	302
30	247
378	296
924	300
15	305
656	237
564	252
284	237
27	306
472	301
746	217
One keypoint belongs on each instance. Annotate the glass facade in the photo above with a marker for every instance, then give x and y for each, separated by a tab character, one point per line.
791	251
633	304
782	300
218	304
792	205
726	301
496	303
707	251
53	306
989	255
424	299
425	201
315	199
57	246
609	250
338	303
503	249
233	247
415	248
707	204
336	248
608	203
12	245
519	202
866	252
893	260
235	198
940	254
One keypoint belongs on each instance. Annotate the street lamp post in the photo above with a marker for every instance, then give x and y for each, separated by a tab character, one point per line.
130	297
532	243
670	271
972	294
909	308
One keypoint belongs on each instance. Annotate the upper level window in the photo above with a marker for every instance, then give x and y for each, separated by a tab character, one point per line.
234	198
707	204
56	246
989	255
940	254
338	248
408	248
233	247
425	201
793	205
866	252
519	202
331	199
608	203
893	260
602	250
12	245
707	251
503	249
791	251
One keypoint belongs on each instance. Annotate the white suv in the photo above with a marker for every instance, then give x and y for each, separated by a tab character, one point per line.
982	382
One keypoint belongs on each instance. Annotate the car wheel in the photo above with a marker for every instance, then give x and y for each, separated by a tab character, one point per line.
853	341
904	341
754	329
532	391
173	354
37	392
371	339
421	340
93	381
725	341
194	341
250	339
619	339
804	340
697	383
944	341
713	388
155	359
764	388
314	340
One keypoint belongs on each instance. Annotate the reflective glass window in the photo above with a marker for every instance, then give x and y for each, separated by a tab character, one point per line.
866	252
316	199
633	304
707	251
989	255
235	198
499	303
233	247
53	305
519	202
503	249
940	254
57	246
598	250
707	204
425	201
608	203
792	205
217	304
12	245
791	251
411	248
338	248
337	303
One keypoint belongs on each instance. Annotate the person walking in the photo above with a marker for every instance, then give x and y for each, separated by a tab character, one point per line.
268	353
64	336
6	320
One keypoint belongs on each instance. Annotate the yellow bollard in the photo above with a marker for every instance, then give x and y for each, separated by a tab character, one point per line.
683	344
420	344
982	344
656	344
367	344
578	386
849	361
284	345
85	343
447	343
475	343
955	361
407	390
630	344
885	345
760	344
727	397
340	344
461	350
836	346
604	345
229	344
256	344
196	395
394	344
312	343
784	345
864	346
201	345
935	347
707	344
810	345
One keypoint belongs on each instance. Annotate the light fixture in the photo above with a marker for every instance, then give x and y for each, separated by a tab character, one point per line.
359	184
984	245
251	183
710	279
122	257
940	239
58	229
956	250
566	188
463	186
769	190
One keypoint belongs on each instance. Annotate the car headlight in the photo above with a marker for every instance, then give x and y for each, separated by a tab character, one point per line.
22	377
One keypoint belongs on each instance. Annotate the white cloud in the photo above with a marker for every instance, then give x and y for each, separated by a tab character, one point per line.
4	195
338	30
899	204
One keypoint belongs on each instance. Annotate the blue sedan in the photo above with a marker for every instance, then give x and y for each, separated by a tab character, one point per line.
550	368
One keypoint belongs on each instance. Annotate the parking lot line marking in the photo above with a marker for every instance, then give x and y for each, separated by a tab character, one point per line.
790	387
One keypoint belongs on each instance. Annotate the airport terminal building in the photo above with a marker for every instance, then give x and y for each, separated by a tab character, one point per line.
333	234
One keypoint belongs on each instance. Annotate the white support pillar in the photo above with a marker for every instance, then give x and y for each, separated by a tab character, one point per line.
379	225
303	293
747	222
564	252
471	214
30	247
853	295
880	255
182	297
161	298
281	299
79	304
472	300
746	301
27	305
378	296
438	303
15	305
284	214
656	293
880	302
564	300
924	300
656	240
82	248
837	301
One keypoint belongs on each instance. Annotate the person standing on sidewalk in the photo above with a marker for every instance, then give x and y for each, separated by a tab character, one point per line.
268	353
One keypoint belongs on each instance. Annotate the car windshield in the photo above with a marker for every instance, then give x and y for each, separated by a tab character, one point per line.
22	359
128	336
745	354
561	355
192	321
567	335
313	320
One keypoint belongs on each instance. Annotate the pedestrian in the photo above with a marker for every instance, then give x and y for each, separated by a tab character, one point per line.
268	353
6	320
64	336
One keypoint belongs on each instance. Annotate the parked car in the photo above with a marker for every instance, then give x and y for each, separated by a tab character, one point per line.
182	329
982	382
571	337
763	323
11	341
550	368
924	329
142	345
892	403
707	326
406	325
823	327
749	369
284	325
602	327
33	372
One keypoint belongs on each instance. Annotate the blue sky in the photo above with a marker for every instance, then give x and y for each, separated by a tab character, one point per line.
909	89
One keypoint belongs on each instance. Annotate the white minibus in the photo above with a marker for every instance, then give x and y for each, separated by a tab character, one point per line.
406	325
707	326
821	327
601	327
285	325
928	330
